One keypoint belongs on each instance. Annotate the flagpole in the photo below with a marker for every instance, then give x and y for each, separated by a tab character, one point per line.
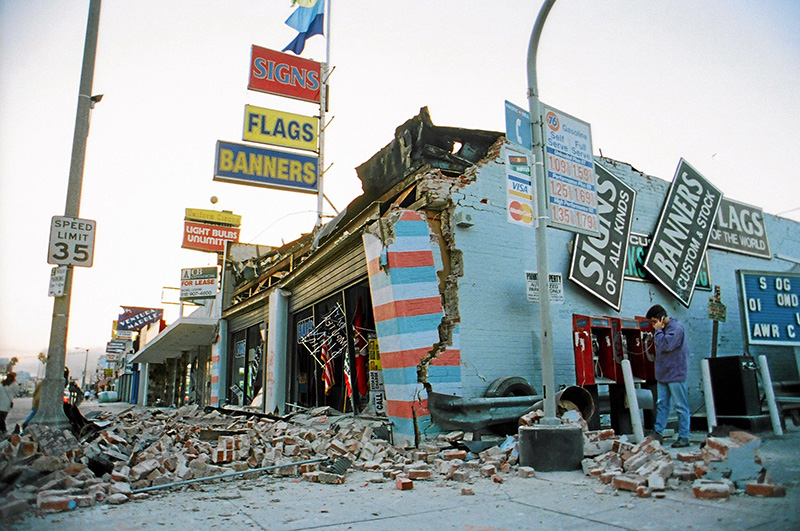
323	104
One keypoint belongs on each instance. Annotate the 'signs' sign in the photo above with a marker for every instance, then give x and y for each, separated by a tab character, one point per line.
284	74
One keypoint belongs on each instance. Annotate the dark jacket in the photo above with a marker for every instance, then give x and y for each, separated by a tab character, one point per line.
672	353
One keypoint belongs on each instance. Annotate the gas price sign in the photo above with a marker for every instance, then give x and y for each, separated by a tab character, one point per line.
571	183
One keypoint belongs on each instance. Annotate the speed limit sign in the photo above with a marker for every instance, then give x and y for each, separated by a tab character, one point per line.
71	241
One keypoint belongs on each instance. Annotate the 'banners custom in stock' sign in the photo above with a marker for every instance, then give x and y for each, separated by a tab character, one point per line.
683	231
598	264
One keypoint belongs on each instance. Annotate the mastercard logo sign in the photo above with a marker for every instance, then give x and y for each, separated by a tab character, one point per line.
552	121
520	212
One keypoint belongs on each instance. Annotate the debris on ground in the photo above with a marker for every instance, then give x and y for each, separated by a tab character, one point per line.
722	467
49	470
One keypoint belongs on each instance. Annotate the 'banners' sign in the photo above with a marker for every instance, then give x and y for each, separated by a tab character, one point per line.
598	264
285	74
740	228
771	307
683	231
639	245
243	164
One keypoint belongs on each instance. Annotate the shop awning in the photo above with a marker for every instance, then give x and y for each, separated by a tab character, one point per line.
185	334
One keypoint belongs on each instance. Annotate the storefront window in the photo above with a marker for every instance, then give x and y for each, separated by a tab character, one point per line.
246	364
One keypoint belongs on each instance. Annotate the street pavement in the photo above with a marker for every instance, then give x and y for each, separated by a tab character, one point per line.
556	500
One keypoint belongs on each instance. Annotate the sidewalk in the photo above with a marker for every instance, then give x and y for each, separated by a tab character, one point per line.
22	407
568	500
552	500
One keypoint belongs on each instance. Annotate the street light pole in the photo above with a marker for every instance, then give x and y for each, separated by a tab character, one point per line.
51	412
545	318
85	365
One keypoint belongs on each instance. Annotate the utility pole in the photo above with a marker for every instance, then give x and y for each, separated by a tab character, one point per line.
545	318
51	412
85	366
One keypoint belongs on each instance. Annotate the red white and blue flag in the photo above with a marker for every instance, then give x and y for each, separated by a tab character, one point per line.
327	366
307	19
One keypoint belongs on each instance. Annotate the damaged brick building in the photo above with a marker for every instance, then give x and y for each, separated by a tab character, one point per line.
419	286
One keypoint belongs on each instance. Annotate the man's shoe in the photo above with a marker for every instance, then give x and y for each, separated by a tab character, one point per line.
681	443
656	436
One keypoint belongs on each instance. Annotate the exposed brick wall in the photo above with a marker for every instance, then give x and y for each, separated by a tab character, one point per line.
499	329
408	311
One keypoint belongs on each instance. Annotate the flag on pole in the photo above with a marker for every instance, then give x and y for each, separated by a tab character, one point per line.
348	385
327	366
307	19
362	373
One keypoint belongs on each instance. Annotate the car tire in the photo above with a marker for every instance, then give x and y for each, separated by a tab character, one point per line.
509	386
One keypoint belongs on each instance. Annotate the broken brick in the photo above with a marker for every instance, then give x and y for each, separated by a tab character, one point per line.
404	484
766	490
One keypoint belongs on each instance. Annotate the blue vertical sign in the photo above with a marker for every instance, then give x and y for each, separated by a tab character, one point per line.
518	126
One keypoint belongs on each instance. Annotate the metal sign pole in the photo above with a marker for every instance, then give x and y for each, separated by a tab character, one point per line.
51	410
545	318
323	104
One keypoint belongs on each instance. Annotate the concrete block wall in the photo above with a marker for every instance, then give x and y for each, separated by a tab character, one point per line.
408	310
499	329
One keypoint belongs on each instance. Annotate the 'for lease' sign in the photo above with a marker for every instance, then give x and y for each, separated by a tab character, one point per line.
198	283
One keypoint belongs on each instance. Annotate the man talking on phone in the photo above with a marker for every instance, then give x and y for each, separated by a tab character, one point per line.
672	367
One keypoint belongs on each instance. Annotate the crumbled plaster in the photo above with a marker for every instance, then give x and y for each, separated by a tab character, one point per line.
441	189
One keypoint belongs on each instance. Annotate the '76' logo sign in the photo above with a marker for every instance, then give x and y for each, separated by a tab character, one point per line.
71	241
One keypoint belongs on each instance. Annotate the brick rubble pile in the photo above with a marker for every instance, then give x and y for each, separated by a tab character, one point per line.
141	449
724	466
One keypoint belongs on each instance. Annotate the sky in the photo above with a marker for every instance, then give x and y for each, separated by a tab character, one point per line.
714	82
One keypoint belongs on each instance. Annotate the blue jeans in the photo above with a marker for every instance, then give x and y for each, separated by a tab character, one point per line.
30	417
673	392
